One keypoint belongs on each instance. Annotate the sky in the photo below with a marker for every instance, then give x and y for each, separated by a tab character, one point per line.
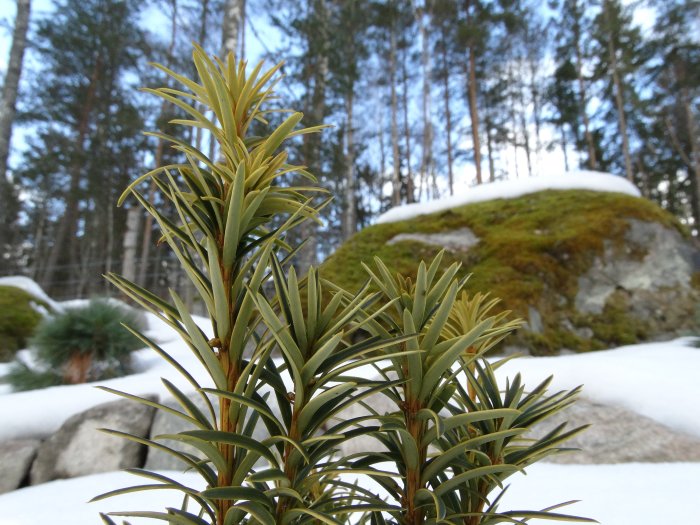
544	163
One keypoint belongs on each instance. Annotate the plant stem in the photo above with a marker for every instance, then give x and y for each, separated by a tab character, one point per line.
415	427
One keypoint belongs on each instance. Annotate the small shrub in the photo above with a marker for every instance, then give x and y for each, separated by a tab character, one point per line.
283	353
18	318
23	377
81	344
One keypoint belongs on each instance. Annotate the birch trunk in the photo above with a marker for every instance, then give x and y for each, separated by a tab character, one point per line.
231	28
133	218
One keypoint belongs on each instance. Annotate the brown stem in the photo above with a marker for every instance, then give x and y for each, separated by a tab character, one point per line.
416	428
290	470
232	371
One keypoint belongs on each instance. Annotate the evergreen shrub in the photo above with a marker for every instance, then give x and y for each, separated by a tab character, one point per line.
294	354
19	315
86	343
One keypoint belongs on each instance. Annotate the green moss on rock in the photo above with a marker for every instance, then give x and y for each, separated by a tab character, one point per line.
531	252
18	318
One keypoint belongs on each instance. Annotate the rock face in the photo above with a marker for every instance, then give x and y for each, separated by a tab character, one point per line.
586	270
455	240
618	435
652	258
165	423
16	457
79	449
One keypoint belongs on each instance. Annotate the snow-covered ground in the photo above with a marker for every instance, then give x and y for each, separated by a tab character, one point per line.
657	380
623	494
509	189
42	412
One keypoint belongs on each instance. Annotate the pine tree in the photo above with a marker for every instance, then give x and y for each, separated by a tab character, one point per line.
573	56
86	49
619	51
671	138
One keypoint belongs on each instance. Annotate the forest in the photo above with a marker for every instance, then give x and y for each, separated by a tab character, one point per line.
423	98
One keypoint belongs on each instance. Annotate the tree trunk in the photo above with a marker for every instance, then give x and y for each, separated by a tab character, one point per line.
312	142
470	71
536	115
427	173
243	21
65	239
146	238
233	15
582	102
564	146
691	124
620	105
448	113
410	192
473	112
133	218
7	116
514	124
396	160
526	136
350	216
202	37
489	147
11	85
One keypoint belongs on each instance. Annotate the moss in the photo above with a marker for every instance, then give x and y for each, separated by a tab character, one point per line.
614	325
695	280
533	249
18	318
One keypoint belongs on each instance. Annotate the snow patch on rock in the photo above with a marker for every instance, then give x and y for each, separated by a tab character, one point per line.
509	189
455	240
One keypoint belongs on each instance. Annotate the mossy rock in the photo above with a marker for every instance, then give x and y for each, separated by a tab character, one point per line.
19	316
532	253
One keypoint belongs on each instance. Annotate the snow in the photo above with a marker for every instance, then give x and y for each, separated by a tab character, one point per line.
509	189
639	493
66	501
658	380
39	413
32	288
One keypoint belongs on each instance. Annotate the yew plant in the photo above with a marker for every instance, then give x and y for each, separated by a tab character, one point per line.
309	364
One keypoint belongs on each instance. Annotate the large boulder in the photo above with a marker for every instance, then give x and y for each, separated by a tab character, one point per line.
167	423
585	269
617	435
79	449
16	457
